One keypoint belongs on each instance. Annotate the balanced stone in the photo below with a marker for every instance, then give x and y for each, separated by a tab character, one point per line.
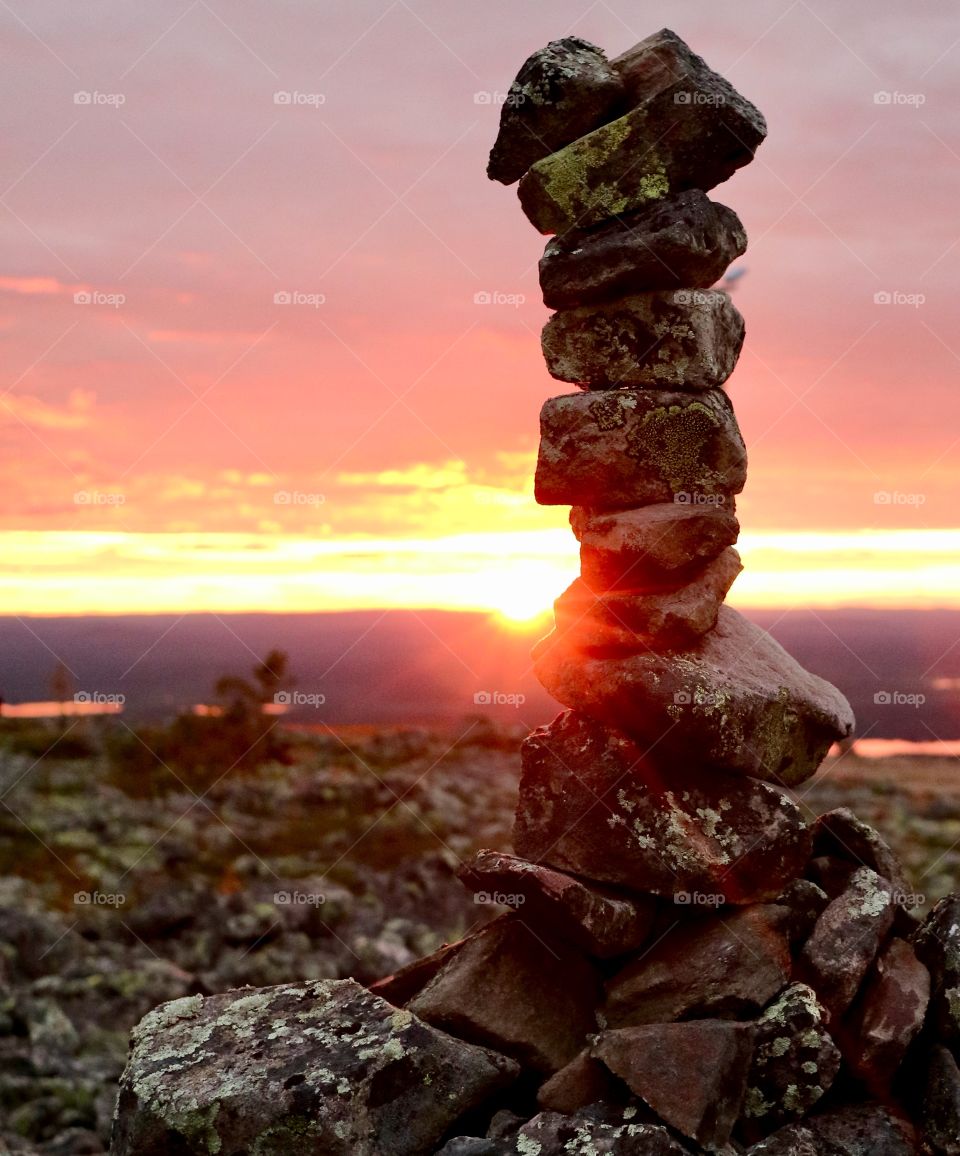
727	966
509	989
299	1067
658	544
602	922
666	339
682	241
591	803
689	129
624	621
794	1062
736	701
562	92
635	447
693	1075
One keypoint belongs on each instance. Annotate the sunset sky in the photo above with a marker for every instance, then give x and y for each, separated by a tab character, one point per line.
244	367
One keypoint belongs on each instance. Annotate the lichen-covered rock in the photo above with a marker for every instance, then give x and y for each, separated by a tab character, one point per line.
794	1140
509	989
940	1109
888	1015
846	939
794	1062
726	966
659	544
592	1132
600	921
693	1074
937	945
664	339
689	129
842	834
624	621
591	803
322	1067
736	701
680	242
868	1129
634	447
561	93
806	902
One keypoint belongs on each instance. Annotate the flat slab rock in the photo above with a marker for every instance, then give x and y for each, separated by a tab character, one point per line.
846	938
736	701
634	447
693	1074
659	544
623	621
600	921
721	966
665	339
592	804
795	1061
322	1067
680	242
510	989
562	92
689	128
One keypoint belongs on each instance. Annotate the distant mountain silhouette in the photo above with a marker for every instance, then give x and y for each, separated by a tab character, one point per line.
428	666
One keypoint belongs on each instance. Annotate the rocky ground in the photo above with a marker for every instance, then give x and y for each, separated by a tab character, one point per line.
115	896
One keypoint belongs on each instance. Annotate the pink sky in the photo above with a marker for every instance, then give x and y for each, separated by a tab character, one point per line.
408	407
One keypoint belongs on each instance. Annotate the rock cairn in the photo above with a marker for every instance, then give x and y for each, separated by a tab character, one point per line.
687	966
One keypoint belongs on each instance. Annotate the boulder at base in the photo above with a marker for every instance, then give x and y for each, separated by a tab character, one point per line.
303	1069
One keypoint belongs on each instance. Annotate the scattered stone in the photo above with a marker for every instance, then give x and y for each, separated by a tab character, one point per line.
736	701
940	1110
689	129
600	921
509	989
659	544
624	621
592	804
726	966
693	1074
582	1082
322	1065
846	939
562	92
665	339
888	1015
840	833
937	945
794	1062
683	241
634	447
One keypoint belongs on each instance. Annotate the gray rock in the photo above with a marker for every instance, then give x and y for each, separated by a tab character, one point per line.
561	93
888	1015
724	966
619	1133
862	1130
664	339
736	701
661	544
322	1066
592	804
510	989
794	1140
842	834
602	922
634	447
846	939
940	1110
794	1062
693	1075
623	622
689	129
683	241
937	945
806	902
